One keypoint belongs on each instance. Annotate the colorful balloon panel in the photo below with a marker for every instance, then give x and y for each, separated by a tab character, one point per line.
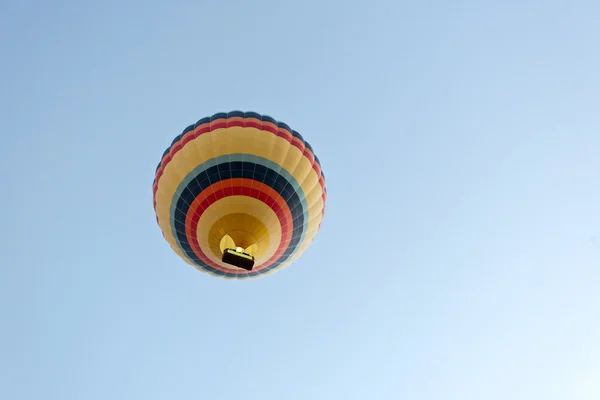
239	179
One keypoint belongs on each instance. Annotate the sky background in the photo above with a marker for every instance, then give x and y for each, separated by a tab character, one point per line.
460	142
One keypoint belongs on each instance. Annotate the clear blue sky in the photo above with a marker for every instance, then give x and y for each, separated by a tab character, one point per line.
464	138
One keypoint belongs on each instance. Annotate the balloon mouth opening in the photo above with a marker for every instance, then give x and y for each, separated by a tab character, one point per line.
239	242
239	234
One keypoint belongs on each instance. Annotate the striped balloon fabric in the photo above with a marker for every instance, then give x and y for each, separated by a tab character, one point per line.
244	181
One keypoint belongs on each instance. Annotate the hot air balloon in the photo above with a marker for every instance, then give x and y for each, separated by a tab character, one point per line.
239	195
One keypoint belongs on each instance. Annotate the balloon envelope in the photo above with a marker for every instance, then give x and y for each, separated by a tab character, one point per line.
240	181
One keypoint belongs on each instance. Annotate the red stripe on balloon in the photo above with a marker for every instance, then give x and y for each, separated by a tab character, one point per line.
238	187
231	122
